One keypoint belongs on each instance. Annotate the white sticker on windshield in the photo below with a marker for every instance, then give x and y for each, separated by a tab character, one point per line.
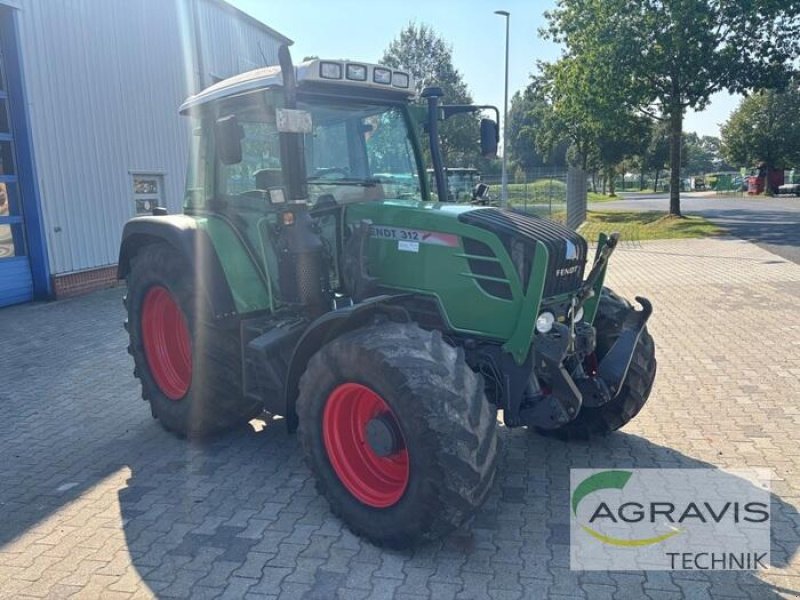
293	121
407	246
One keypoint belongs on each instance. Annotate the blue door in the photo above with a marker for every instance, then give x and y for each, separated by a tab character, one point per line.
24	272
16	282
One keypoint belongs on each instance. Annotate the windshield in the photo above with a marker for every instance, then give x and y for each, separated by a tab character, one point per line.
359	152
355	152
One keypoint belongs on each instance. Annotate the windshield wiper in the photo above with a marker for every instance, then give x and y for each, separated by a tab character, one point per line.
343	181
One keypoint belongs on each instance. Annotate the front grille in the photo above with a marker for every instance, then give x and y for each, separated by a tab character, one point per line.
488	268
519	233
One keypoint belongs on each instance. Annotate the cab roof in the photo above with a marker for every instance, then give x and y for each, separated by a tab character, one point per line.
318	72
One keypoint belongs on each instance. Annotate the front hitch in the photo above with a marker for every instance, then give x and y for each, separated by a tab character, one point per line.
565	395
562	401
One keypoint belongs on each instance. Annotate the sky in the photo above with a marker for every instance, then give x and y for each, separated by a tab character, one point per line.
361	30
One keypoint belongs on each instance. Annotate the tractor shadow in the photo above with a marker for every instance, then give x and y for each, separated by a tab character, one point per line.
534	479
243	507
82	459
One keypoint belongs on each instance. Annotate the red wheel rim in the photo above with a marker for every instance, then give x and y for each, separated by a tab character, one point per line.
167	344
377	481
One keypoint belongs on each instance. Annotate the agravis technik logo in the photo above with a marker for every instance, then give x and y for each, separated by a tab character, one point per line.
610	480
669	519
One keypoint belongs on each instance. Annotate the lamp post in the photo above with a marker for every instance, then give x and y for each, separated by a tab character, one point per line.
504	180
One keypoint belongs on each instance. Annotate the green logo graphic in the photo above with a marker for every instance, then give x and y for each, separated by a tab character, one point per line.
610	480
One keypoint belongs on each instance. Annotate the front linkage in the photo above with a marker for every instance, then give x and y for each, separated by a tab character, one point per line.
561	373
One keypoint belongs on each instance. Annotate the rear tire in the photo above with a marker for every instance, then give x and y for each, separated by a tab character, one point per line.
189	368
443	461
635	391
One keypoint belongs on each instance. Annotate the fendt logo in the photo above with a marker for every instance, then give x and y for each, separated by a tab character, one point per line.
563	272
668	519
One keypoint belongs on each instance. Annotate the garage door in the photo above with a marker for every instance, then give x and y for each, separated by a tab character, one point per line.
16	284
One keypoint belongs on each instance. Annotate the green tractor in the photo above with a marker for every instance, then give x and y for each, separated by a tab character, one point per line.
311	277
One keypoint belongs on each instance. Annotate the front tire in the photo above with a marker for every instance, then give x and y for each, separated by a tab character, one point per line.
189	368
435	456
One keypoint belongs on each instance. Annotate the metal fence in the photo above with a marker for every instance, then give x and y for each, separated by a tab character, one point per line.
541	192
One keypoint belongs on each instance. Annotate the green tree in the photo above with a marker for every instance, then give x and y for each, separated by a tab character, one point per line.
712	147
765	128
656	157
563	112
667	56
421	51
696	157
616	144
601	130
524	121
702	154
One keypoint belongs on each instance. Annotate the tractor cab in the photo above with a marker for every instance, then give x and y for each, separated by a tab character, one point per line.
282	152
343	137
278	155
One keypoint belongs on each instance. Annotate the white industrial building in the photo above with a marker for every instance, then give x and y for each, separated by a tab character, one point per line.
89	124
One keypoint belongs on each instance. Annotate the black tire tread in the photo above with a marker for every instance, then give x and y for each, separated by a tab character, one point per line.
214	400
447	416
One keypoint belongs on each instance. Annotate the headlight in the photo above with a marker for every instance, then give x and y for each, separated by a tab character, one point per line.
544	322
381	75
356	72
400	79
330	70
579	315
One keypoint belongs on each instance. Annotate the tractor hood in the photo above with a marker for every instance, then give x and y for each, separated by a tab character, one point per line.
465	227
519	232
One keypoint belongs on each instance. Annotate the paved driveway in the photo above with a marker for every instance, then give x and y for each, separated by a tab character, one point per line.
96	500
772	223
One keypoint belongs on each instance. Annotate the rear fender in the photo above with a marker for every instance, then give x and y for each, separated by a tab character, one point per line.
328	327
192	243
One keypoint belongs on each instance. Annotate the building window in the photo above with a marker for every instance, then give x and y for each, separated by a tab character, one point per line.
148	192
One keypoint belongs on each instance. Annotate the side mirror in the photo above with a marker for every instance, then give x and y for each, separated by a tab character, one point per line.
490	137
228	134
